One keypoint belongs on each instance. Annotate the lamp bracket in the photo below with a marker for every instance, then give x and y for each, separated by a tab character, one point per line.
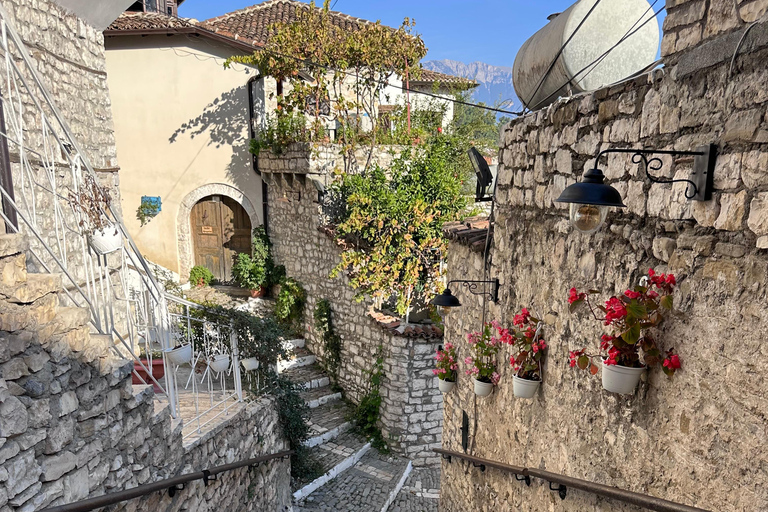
701	177
489	289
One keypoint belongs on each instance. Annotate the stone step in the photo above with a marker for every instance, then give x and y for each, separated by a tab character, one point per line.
370	485
68	318
310	377
300	358
14	317
327	422
297	343
334	458
13	269
421	492
13	243
32	288
320	396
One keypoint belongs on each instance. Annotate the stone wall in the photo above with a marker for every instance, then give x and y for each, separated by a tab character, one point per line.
72	426
697	438
321	160
411	409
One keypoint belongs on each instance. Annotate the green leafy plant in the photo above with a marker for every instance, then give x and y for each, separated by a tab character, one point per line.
389	223
367	413
331	340
147	211
289	305
200	276
248	273
281	131
484	349
257	270
311	46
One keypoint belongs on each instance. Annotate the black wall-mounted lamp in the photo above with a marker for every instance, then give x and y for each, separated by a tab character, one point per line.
591	198
449	300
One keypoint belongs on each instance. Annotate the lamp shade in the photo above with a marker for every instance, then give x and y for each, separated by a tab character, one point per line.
592	190
446	300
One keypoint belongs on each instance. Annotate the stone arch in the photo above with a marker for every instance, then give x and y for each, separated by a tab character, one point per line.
183	227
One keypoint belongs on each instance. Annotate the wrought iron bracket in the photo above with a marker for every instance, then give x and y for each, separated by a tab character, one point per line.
207	476
172	490
561	490
464	431
526	478
490	288
701	179
481	466
448	458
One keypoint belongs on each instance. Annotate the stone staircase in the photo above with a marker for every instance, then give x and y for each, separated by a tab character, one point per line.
30	303
354	476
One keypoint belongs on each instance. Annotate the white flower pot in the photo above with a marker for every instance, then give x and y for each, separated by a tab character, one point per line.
181	355
483	388
219	363
250	364
523	388
445	385
106	240
621	379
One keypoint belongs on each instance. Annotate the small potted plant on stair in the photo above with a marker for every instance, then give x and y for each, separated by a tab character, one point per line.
484	347
631	318
529	350
149	366
256	271
90	202
446	368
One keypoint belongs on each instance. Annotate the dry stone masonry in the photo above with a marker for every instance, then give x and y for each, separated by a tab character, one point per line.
72	425
697	439
411	411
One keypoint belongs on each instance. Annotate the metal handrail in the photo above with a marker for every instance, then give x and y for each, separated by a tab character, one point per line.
170	484
563	482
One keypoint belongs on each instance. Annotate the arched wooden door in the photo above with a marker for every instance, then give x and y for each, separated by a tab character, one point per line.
220	229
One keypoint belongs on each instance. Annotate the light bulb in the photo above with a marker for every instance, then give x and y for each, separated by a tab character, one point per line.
587	218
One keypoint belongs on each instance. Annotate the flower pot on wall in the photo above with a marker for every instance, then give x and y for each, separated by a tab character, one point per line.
621	379
219	363
181	355
250	364
106	240
445	385
258	292
524	388
483	388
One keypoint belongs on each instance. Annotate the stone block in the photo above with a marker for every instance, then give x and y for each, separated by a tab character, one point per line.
56	466
60	435
752	11
755	168
721	17
706	213
13	417
663	248
758	214
741	126
732	209
727	172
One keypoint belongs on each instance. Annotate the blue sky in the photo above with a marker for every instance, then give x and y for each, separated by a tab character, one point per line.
489	31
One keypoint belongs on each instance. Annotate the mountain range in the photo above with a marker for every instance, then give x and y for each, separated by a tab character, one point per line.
495	81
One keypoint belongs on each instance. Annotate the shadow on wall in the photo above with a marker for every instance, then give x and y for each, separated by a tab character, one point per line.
225	121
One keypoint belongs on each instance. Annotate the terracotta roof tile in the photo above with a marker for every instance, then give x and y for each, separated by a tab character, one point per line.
472	232
148	21
428	76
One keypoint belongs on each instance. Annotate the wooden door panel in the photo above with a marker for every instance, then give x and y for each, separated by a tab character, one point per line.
220	230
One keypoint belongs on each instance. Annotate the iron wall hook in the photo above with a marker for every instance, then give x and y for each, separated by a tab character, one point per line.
172	490
526	478
481	466
561	490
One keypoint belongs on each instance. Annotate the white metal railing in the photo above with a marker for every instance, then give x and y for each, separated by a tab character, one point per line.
118	287
205	362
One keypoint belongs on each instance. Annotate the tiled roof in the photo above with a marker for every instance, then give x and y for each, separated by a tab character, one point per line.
472	232
428	76
254	22
396	327
148	21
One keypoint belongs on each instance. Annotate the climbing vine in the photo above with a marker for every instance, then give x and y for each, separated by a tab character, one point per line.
367	413
331	340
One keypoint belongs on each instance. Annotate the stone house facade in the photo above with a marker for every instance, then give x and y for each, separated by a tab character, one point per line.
696	439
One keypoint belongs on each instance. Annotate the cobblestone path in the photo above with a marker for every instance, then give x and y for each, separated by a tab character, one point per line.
355	477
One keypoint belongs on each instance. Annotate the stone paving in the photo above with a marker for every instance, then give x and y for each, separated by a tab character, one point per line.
328	416
421	492
364	487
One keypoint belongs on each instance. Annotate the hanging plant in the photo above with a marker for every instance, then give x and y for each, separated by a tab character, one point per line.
148	209
631	318
529	350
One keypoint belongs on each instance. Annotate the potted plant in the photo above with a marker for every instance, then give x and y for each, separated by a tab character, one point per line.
219	363
180	353
91	204
630	319
148	209
484	347
530	349
446	368
143	368
200	276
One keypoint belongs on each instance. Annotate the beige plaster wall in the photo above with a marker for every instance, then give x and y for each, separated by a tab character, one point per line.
181	123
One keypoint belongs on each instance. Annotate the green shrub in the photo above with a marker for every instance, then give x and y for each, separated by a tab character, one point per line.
248	273
331	340
366	415
200	276
289	305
